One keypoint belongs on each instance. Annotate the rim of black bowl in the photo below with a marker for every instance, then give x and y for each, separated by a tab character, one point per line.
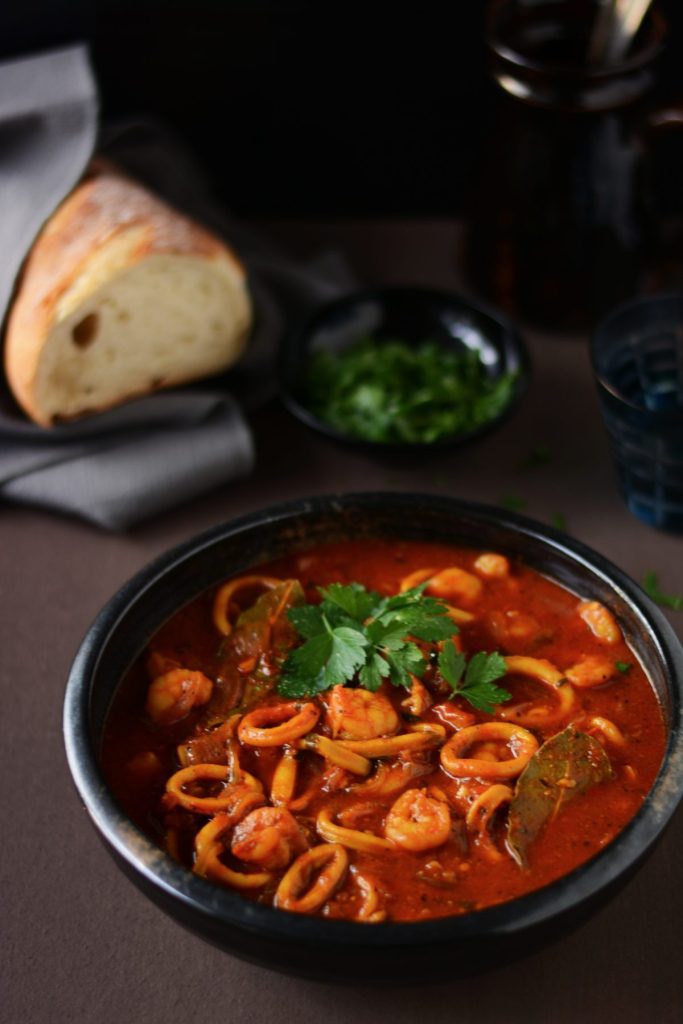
294	346
505	919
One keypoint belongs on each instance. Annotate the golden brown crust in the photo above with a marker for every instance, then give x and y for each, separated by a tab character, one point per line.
103	206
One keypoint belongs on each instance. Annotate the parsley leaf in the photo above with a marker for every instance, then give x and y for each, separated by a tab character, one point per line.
354	632
623	666
477	687
308	620
652	589
355	600
331	657
394	392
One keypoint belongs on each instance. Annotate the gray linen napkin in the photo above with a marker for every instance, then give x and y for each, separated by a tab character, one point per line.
132	462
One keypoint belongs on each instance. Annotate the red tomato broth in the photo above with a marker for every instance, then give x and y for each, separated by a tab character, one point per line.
458	876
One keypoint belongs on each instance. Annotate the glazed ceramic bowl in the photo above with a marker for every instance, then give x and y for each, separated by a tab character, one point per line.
339	950
411	315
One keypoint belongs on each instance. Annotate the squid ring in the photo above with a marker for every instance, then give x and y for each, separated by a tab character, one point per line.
291	892
424	735
522	743
336	752
544	672
479	817
221	602
485	806
208	864
277	724
352	838
414	579
236	799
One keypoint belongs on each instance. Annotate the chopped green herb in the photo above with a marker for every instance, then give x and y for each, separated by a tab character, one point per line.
393	392
623	666
559	521
356	633
652	589
538	456
513	502
477	685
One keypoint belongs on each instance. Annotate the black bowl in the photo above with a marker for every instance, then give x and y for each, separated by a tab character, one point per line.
340	950
412	315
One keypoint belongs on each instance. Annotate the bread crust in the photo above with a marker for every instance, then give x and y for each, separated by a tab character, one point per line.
104	206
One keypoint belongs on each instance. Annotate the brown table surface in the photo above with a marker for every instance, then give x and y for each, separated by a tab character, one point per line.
81	944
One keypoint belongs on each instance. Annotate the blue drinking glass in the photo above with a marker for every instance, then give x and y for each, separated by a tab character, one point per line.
637	355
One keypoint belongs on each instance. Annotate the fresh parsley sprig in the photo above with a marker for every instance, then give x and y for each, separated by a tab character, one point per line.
356	633
474	680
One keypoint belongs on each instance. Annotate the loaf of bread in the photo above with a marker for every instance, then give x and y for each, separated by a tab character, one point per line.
120	296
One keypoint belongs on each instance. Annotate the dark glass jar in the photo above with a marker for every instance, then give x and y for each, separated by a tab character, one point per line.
560	226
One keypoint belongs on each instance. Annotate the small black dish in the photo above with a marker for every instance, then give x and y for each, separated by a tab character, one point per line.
346	951
412	315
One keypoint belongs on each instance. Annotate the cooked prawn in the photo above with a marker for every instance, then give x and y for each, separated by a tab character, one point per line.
592	670
360	714
269	837
514	627
600	621
171	696
492	566
419	700
417	822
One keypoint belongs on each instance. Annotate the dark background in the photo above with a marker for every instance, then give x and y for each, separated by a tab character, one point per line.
309	109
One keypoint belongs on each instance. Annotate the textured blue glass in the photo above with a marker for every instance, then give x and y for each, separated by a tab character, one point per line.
637	357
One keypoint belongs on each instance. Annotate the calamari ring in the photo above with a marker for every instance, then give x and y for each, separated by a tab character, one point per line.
544	672
474	767
291	892
235	800
209	846
260	728
351	838
221	602
479	816
426	734
336	752
414	579
483	808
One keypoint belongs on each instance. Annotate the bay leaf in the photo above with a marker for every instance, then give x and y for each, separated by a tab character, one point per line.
564	767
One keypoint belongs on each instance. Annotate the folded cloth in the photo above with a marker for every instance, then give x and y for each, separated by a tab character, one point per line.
131	463
125	465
